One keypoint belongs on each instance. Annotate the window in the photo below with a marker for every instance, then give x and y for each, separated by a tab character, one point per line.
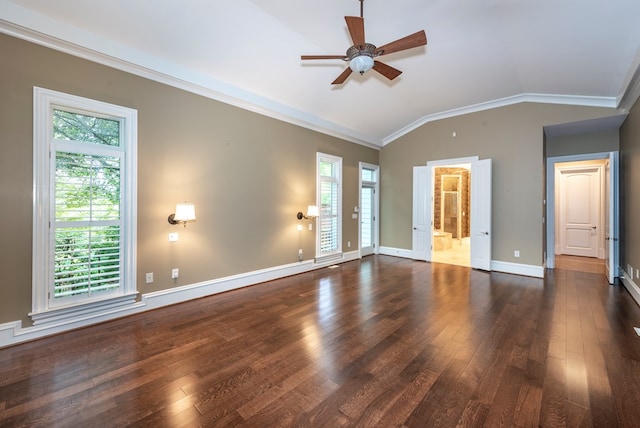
84	216
329	233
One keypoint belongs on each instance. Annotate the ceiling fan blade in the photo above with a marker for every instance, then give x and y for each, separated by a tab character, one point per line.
411	41
340	80
386	70
356	29
323	57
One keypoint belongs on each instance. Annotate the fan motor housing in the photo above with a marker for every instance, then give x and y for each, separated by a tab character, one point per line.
368	49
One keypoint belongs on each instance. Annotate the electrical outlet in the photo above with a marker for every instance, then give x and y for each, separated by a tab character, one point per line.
300	255
516	253
348	244
175	273
148	277
173	237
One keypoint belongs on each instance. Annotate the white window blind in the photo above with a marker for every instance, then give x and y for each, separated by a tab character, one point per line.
86	225
330	198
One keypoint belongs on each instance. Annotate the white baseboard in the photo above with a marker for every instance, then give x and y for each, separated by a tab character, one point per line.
518	269
398	252
496	265
12	333
631	286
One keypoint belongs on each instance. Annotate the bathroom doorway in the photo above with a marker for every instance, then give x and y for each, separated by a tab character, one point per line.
426	229
451	214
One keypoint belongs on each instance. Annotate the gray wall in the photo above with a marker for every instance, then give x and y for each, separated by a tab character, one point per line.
630	189
247	174
595	142
513	137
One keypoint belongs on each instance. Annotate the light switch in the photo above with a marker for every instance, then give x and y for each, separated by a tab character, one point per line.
173	237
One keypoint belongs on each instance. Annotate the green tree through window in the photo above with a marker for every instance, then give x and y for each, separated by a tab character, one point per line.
87	205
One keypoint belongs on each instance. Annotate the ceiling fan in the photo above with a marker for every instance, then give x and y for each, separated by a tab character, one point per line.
361	55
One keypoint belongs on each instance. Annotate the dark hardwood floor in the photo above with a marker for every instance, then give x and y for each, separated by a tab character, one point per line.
380	342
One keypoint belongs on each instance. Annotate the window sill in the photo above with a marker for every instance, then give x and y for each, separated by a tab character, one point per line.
83	311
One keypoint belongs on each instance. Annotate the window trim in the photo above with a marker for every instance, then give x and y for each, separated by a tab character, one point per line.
44	100
338	252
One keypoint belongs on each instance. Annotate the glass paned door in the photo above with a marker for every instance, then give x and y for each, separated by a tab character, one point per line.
367	219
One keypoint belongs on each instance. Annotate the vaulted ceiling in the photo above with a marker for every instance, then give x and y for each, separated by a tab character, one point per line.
480	53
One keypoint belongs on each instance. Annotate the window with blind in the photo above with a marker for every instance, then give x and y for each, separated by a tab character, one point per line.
329	231
84	241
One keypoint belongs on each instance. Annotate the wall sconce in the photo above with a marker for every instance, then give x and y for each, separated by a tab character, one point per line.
184	213
312	212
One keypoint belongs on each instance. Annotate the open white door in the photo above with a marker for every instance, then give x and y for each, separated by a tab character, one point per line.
421	241
612	227
481	214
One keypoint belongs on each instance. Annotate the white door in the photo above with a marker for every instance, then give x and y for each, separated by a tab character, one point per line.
612	243
368	209
579	210
367	219
481	214
421	213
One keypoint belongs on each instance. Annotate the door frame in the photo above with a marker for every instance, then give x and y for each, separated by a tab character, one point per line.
376	208
472	160
561	192
551	205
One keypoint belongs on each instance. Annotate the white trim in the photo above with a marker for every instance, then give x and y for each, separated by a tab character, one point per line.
575	100
496	265
12	333
43	102
124	58
376	206
396	252
39	29
517	269
631	286
630	89
551	193
465	162
336	161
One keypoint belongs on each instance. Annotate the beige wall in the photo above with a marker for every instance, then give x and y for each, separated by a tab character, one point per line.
596	142
513	137
630	190
247	174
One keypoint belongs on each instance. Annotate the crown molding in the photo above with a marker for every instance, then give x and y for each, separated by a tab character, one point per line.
143	65
608	102
20	22
631	88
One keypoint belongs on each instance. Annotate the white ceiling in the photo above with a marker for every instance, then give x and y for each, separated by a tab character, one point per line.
480	54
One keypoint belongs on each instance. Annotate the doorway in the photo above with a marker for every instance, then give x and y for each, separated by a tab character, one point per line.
450	205
580	208
368	209
607	240
428	232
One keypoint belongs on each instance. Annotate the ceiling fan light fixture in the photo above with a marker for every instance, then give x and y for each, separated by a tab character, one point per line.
361	64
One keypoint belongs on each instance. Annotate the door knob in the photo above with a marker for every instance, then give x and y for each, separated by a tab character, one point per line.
594	227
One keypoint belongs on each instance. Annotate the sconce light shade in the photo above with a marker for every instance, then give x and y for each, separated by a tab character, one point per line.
312	212
184	213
